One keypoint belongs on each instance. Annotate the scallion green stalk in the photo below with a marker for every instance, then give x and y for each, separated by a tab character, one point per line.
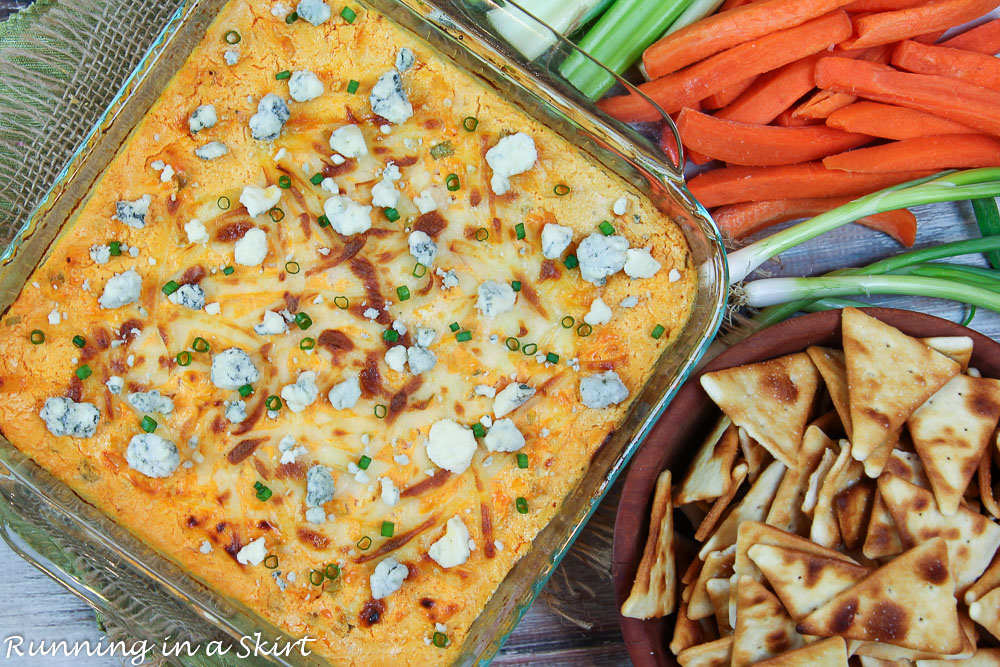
833	303
988	217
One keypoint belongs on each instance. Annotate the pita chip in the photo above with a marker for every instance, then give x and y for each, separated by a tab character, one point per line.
956	348
875	463
900	655
984	477
688	633
971	538
708	475
852	507
782	392
654	591
889	376
833	369
909	602
712	654
882	539
718	564
721	503
816	482
754	454
786	510
718	592
984	657
950	433
763	628
753	507
907	465
844	472
804	581
989	580
829	422
986	612
831	652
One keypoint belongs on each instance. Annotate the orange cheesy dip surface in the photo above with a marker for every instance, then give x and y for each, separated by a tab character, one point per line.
339	328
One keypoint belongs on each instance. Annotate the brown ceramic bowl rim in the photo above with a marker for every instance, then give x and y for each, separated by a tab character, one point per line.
647	640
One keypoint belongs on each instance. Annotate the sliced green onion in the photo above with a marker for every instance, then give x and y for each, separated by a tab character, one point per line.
968	318
284	182
519	230
552	358
292	267
454	326
512	344
271	562
515	285
403	293
116	248
232	37
440	639
380	411
303	320
606	228
522	505
391	214
316	178
264	494
988	218
529	349
388	528
470	123
323	221
341	302
223	203
184	358
332	571
365	543
170	287
522	460
657	331
584	330
443	149
148	424
273	402
245	390
364	462
453	182
561	190
316	578
229	270
463	336
37	337
283	74
478	430
200	345
390	335
292	18
277	215
419	271
348	14
482	234
307	344
352	86
571	262
567	322
84	372
79	341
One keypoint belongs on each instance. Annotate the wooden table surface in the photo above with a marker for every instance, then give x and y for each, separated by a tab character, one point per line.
38	608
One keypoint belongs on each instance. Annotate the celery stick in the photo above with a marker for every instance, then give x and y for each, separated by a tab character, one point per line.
530	38
695	12
617	40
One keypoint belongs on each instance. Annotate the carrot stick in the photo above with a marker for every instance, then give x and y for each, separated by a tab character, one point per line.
978	68
728	29
944	151
892	122
787	119
772	93
761	145
825	102
733	4
681	89
859	6
956	100
893	26
727	95
731	185
982	39
748	218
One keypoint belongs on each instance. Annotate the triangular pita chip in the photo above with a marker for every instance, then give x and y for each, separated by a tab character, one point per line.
708	475
986	612
831	652
688	633
771	400
845	472
831	366
815	482
853	507
909	602
972	539
786	510
889	376
763	629
829	422
896	655
907	465
882	539
753	507
654	590
989	580
721	503
804	581
984	657
956	348
876	461
754	454
950	433
718	592
712	654
984	477
717	564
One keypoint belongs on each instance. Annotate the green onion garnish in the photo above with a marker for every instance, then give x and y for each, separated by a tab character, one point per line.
606	228
273	403
316	179
264	494
571	262
512	344
463	336
303	320
271	562
277	215
968	318
283	74
332	571
515	285
388	528
364	462
316	578
292	267
478	430
519	230
529	349
391	214
232	37
116	248
229	270
184	358
284	182
470	123
452	182
380	411
390	335
200	345
223	202
84	372
561	190
521	504
245	390
348	14
148	424
454	326
419	271
352	86
170	287
37	337
584	330
292	18
307	344
365	543
443	149
657	331
522	460
482	234
440	639
323	221
341	302
79	341
403	292
567	322
552	358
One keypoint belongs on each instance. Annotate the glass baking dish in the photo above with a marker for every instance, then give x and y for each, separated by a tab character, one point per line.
46	523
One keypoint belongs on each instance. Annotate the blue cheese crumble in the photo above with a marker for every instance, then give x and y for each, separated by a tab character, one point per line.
451	550
272	324
213	150
345	395
304	86
63	416
346	216
512	155
259	201
319	486
602	390
266	124
503	436
601	256
348	141
450	446
203	118
495	298
387	578
133	213
302	394
405	59
422	247
511	398
190	296
152	455
639	263
251	249
236	411
233	368
316	12
100	254
121	289
555	240
388	99
151	401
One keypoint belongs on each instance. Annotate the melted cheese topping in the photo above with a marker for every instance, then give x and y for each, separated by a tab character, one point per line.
206	512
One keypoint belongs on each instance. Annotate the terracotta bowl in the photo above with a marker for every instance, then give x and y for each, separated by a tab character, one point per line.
674	440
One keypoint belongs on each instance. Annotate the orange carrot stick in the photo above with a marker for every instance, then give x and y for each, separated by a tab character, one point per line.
748	218
731	185
887	27
681	89
983	39
772	93
762	145
859	6
787	119
733	4
727	95
728	29
944	151
892	122
956	100
825	102
978	68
